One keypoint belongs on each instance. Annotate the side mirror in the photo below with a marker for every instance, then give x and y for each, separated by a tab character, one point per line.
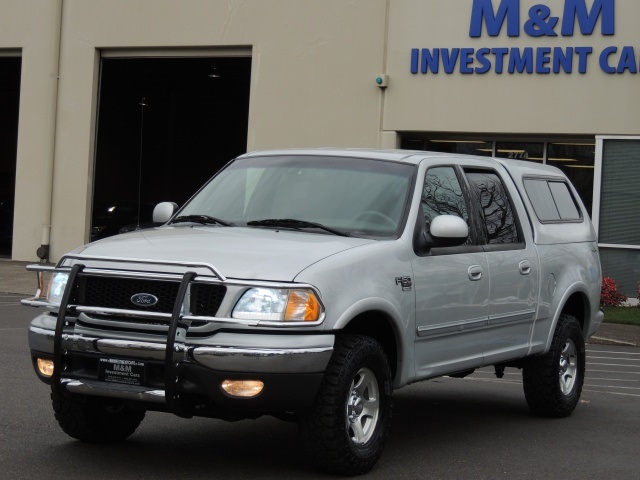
164	211
447	231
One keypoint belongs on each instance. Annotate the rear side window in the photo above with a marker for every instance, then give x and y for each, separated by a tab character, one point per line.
552	200
497	211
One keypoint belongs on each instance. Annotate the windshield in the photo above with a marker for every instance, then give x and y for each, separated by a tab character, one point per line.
359	197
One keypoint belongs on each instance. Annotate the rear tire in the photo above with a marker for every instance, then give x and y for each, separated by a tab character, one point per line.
553	382
346	429
96	420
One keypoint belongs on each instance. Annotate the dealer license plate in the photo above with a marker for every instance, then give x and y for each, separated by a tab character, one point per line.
129	372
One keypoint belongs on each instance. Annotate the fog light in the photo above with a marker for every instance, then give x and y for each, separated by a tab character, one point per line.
242	388
45	367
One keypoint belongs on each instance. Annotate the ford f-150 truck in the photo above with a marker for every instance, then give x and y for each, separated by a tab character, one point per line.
310	284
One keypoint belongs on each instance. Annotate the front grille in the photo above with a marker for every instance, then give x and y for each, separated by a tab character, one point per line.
110	292
206	298
113	292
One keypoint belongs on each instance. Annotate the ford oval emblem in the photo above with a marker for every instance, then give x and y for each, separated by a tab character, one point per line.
144	300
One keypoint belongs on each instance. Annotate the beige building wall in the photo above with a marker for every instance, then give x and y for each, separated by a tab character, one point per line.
30	28
313	70
312	83
591	103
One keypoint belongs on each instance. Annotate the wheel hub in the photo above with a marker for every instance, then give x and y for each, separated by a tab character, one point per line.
355	406
362	407
568	367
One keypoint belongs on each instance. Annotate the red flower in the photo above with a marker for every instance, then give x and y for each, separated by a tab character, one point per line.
609	294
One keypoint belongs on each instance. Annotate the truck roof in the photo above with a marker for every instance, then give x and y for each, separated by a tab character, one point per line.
405	156
412	157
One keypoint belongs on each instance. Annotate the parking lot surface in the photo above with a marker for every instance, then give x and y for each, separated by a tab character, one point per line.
478	427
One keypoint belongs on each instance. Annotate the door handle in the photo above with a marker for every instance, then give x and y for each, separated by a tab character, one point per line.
525	267
475	273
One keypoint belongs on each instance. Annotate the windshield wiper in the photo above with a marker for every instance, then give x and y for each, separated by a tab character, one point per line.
201	219
293	223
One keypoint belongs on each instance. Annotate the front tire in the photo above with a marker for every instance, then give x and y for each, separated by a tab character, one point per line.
95	420
553	382
346	429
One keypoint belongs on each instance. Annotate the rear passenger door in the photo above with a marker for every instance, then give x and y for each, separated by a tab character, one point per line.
513	263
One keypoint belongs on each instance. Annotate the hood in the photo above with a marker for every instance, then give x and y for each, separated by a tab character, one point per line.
237	252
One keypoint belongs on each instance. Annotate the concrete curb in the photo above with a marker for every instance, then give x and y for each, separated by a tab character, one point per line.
610	341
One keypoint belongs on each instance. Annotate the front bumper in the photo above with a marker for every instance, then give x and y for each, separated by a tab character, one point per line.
291	367
159	361
596	322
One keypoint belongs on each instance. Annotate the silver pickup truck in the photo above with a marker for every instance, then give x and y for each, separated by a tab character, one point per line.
310	284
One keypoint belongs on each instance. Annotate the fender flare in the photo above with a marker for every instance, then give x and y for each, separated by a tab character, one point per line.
577	287
402	329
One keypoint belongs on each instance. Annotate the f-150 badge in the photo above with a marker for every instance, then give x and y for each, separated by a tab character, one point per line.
405	282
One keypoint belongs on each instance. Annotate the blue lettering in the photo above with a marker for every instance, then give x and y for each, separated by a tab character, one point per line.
542	59
430	61
541	22
577	10
562	60
482	11
466	59
628	61
415	60
449	60
604	59
583	53
521	61
500	54
481	56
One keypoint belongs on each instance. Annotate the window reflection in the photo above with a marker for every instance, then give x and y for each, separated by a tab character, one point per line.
442	195
496	207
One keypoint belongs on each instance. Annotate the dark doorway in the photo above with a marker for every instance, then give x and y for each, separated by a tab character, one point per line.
10	69
188	117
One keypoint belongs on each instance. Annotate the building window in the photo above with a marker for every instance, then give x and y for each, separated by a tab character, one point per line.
619	213
463	146
531	151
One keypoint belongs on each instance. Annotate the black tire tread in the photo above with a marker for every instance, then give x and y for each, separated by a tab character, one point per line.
540	374
87	420
322	428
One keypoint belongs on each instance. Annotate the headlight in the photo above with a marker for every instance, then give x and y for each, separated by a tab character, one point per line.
278	305
56	288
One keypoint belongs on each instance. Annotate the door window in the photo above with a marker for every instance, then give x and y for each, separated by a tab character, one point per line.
496	209
442	195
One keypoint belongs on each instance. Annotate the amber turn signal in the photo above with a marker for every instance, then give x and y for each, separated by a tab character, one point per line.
302	305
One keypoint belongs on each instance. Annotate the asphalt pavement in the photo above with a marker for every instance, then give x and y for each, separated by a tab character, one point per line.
478	427
14	278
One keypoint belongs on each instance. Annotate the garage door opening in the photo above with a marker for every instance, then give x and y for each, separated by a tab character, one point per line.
165	126
10	70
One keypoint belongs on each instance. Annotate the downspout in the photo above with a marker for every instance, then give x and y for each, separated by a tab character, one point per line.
387	140
47	171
